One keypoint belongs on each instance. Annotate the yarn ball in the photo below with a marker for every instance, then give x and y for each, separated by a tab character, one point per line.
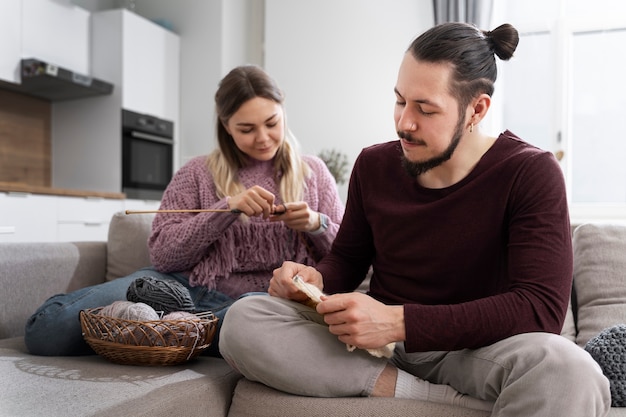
162	295
187	330
609	349
128	310
180	315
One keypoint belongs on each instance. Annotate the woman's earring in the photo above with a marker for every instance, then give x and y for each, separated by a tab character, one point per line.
471	127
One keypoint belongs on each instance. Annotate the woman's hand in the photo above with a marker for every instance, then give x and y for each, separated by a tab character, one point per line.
299	216
255	201
359	320
281	284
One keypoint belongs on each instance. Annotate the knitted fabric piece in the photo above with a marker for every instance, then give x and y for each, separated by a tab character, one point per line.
161	295
609	349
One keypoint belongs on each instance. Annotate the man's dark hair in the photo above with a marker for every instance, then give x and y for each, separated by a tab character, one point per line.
470	51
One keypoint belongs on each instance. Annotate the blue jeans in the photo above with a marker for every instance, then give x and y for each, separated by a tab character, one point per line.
54	329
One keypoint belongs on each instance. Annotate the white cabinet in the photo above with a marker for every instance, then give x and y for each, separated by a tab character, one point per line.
85	218
139	205
56	32
143	59
26	217
10	39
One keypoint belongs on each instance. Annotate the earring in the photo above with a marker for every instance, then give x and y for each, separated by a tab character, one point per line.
471	127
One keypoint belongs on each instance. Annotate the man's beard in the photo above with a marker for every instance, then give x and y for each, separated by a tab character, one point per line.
415	169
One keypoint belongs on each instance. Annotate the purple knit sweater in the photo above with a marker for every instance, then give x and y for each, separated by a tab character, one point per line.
230	253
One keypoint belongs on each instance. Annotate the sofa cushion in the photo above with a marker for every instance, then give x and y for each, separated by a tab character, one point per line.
599	278
252	399
127	246
30	273
91	386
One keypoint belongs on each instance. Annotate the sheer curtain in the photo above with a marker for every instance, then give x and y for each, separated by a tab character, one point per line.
477	12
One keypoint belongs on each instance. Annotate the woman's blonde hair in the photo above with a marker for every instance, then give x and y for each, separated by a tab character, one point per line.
237	87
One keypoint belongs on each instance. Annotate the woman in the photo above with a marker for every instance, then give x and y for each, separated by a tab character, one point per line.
289	205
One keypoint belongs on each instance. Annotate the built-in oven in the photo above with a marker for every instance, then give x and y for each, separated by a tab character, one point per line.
147	155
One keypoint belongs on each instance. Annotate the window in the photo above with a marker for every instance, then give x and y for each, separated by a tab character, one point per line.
564	91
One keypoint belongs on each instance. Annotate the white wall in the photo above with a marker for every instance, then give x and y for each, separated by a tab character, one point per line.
215	36
337	62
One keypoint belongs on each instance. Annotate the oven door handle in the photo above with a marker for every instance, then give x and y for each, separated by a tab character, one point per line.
152	138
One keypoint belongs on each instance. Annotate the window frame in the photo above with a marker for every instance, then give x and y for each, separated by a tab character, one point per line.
562	30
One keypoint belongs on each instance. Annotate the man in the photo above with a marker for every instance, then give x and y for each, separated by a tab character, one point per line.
468	237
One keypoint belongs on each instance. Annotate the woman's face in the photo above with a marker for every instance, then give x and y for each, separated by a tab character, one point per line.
258	128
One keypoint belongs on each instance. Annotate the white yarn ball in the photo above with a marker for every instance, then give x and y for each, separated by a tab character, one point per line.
127	310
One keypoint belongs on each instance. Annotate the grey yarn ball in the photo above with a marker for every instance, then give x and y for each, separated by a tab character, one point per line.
160	294
609	349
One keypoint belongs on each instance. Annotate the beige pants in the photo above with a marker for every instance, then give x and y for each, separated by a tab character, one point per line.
287	346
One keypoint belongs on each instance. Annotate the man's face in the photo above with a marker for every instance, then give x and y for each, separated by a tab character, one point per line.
426	115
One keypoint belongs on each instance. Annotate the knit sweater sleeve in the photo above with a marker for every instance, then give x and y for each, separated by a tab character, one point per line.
179	241
323	197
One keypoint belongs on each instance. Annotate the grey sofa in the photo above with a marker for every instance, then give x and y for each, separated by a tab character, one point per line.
91	386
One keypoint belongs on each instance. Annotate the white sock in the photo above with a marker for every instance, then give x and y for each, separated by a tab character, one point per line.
409	386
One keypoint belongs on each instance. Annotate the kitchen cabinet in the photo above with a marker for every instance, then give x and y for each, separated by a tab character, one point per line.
54	31
10	39
26	217
85	218
141	57
134	204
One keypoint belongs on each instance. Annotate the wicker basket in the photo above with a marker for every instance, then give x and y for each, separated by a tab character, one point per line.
158	342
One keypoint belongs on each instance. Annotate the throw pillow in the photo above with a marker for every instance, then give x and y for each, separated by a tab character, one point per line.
127	246
599	278
609	350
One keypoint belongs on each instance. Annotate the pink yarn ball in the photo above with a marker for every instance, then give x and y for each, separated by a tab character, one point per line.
180	315
127	310
188	329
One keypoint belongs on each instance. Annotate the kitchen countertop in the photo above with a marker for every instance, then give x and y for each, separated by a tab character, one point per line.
13	187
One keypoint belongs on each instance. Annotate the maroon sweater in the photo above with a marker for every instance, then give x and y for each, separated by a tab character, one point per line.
474	263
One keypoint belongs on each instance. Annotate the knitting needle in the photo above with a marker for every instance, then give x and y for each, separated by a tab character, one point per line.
233	211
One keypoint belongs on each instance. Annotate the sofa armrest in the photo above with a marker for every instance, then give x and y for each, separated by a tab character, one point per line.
30	273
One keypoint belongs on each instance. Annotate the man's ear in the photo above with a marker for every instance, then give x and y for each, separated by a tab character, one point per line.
480	105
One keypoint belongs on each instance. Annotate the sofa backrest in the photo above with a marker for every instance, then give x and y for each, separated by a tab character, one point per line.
599	279
30	273
127	246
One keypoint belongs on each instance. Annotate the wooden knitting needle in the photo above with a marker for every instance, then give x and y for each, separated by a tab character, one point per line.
233	211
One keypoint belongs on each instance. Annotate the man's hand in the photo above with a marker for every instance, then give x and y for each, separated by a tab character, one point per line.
281	284
359	320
